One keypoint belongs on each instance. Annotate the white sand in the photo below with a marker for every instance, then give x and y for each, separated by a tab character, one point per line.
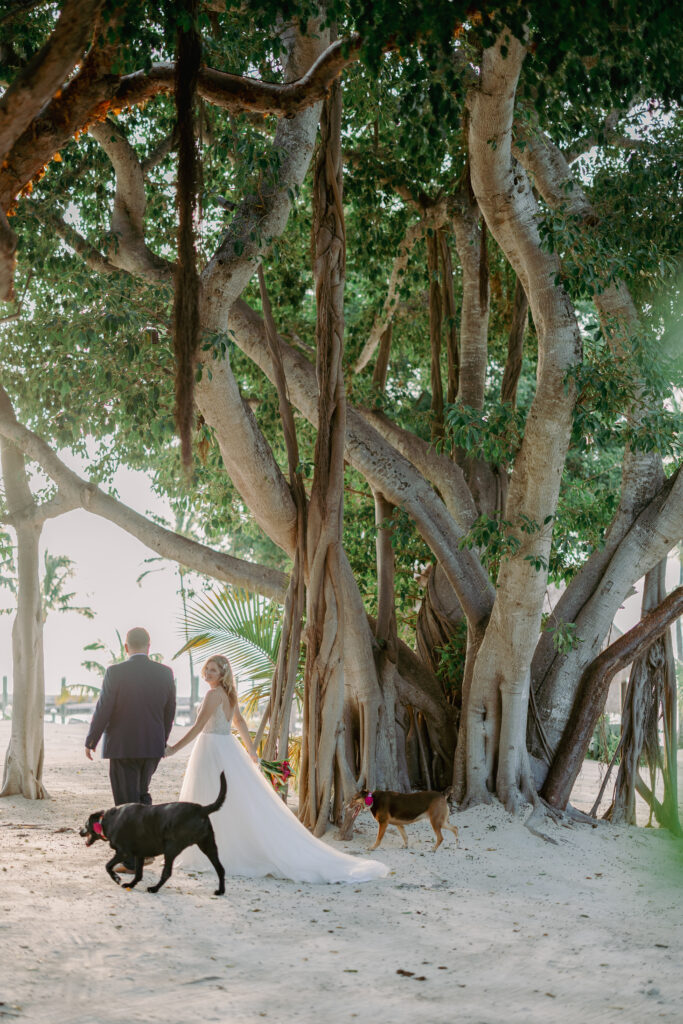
504	928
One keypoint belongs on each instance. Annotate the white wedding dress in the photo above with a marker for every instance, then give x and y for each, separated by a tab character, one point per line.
255	831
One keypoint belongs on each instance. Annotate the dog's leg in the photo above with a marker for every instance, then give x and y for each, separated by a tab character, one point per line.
110	868
139	861
210	850
380	834
438	817
169	857
404	835
454	830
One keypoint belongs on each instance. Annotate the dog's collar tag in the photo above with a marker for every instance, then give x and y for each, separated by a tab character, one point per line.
368	799
97	828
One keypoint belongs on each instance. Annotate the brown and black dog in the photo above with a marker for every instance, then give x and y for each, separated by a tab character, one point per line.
399	809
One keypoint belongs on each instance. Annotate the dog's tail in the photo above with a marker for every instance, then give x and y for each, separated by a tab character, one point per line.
221	797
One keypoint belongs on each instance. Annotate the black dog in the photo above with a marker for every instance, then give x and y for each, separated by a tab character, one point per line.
136	831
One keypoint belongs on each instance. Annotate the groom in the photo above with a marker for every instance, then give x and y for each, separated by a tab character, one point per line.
135	712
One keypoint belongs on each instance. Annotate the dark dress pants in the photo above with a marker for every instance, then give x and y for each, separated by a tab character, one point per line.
130	778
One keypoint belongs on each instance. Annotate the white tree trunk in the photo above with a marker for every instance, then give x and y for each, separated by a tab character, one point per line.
497	702
23	773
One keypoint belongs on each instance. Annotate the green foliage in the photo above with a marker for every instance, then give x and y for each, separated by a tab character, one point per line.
604	742
492	435
451	663
497	539
57	570
607	383
247	630
564	635
244	627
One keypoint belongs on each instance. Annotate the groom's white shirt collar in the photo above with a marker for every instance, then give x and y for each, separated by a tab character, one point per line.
138	654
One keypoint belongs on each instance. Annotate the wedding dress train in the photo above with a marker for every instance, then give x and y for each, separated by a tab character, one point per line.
255	831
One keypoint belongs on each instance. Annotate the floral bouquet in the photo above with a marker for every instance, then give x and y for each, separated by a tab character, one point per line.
277	772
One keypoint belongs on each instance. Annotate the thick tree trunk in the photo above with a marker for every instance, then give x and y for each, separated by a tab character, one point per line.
324	674
495	735
23	774
284	677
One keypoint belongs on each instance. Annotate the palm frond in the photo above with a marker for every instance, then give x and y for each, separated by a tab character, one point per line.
242	626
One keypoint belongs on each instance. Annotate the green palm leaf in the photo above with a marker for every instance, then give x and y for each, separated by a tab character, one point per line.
242	626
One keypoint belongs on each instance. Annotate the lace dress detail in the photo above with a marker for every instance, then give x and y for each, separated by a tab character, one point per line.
218	723
256	833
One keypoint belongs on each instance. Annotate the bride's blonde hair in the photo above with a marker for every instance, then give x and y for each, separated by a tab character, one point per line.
226	679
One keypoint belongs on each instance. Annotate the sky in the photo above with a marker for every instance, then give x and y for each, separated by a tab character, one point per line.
107	563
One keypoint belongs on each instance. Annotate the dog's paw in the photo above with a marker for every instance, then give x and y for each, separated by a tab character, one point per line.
220	892
152	888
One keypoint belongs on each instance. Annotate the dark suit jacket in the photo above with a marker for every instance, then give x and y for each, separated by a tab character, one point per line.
135	710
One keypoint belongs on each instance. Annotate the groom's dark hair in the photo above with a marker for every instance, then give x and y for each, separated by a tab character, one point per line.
137	639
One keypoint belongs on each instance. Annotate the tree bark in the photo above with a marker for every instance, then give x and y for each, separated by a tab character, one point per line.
286	670
652	535
513	364
324	674
448	296
23	774
381	465
593	693
651	694
435	317
496	713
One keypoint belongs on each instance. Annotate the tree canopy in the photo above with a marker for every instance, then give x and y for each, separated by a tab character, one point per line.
510	213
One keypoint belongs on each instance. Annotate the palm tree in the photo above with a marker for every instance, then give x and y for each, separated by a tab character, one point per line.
58	569
244	627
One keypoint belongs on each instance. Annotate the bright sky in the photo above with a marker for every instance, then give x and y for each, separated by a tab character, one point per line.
107	564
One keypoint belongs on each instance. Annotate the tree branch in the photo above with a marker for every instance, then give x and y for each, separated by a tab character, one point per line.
89	253
239	94
47	70
592	694
382	466
129	251
79	493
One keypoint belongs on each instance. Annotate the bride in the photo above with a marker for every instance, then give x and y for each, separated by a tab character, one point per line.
255	831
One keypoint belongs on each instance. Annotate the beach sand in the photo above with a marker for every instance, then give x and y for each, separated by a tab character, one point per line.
502	928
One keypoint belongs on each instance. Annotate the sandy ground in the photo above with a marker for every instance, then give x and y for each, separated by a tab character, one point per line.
505	928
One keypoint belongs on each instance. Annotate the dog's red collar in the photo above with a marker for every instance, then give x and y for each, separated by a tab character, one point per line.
368	799
97	828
